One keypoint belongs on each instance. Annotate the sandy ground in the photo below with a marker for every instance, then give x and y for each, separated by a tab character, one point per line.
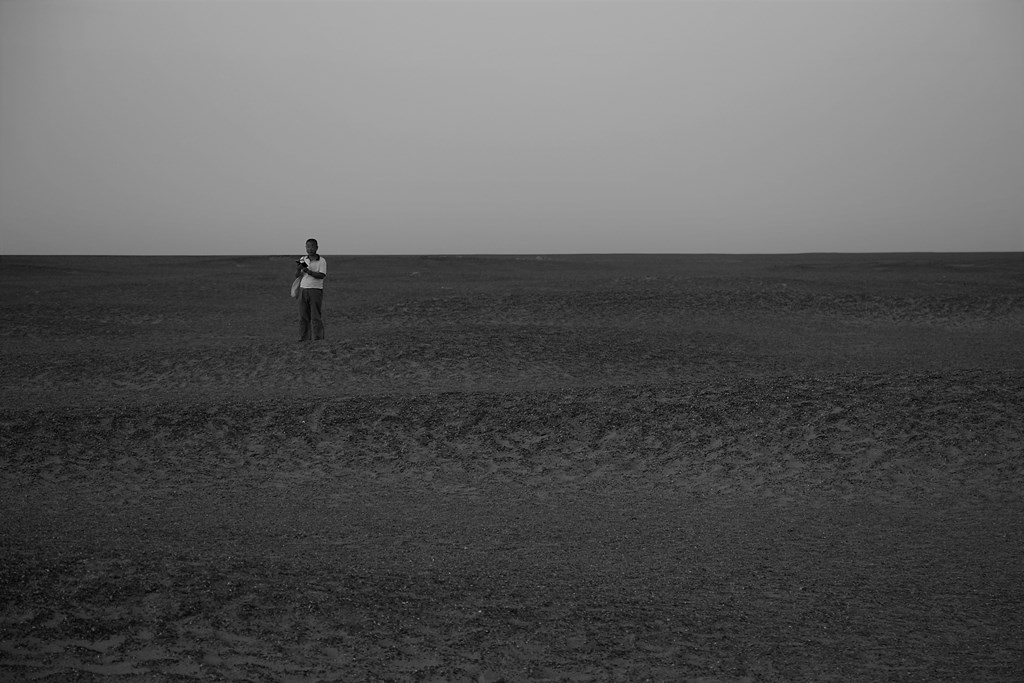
776	468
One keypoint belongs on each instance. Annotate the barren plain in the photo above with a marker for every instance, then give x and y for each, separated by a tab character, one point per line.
557	468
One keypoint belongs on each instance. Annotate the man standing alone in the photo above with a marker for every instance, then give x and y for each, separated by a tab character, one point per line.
313	269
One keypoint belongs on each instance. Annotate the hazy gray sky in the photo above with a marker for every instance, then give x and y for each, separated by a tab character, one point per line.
242	127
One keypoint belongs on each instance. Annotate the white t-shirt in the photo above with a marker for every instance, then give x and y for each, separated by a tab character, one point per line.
318	266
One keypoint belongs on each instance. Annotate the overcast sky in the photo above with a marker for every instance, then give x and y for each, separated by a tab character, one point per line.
427	127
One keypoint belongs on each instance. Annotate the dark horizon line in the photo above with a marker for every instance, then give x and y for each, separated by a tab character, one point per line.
524	254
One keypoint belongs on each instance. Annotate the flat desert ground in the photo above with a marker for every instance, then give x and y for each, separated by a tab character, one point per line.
559	468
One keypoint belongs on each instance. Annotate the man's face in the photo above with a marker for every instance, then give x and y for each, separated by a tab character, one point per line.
310	248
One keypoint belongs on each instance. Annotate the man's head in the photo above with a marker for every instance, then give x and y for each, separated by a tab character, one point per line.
311	246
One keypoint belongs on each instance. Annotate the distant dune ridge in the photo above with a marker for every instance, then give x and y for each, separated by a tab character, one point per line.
564	467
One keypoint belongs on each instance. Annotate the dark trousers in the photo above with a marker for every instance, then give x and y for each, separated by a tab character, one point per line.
311	304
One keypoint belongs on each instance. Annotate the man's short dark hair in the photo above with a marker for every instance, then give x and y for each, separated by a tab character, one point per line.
313	241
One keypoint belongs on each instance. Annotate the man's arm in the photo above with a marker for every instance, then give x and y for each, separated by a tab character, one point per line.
313	273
